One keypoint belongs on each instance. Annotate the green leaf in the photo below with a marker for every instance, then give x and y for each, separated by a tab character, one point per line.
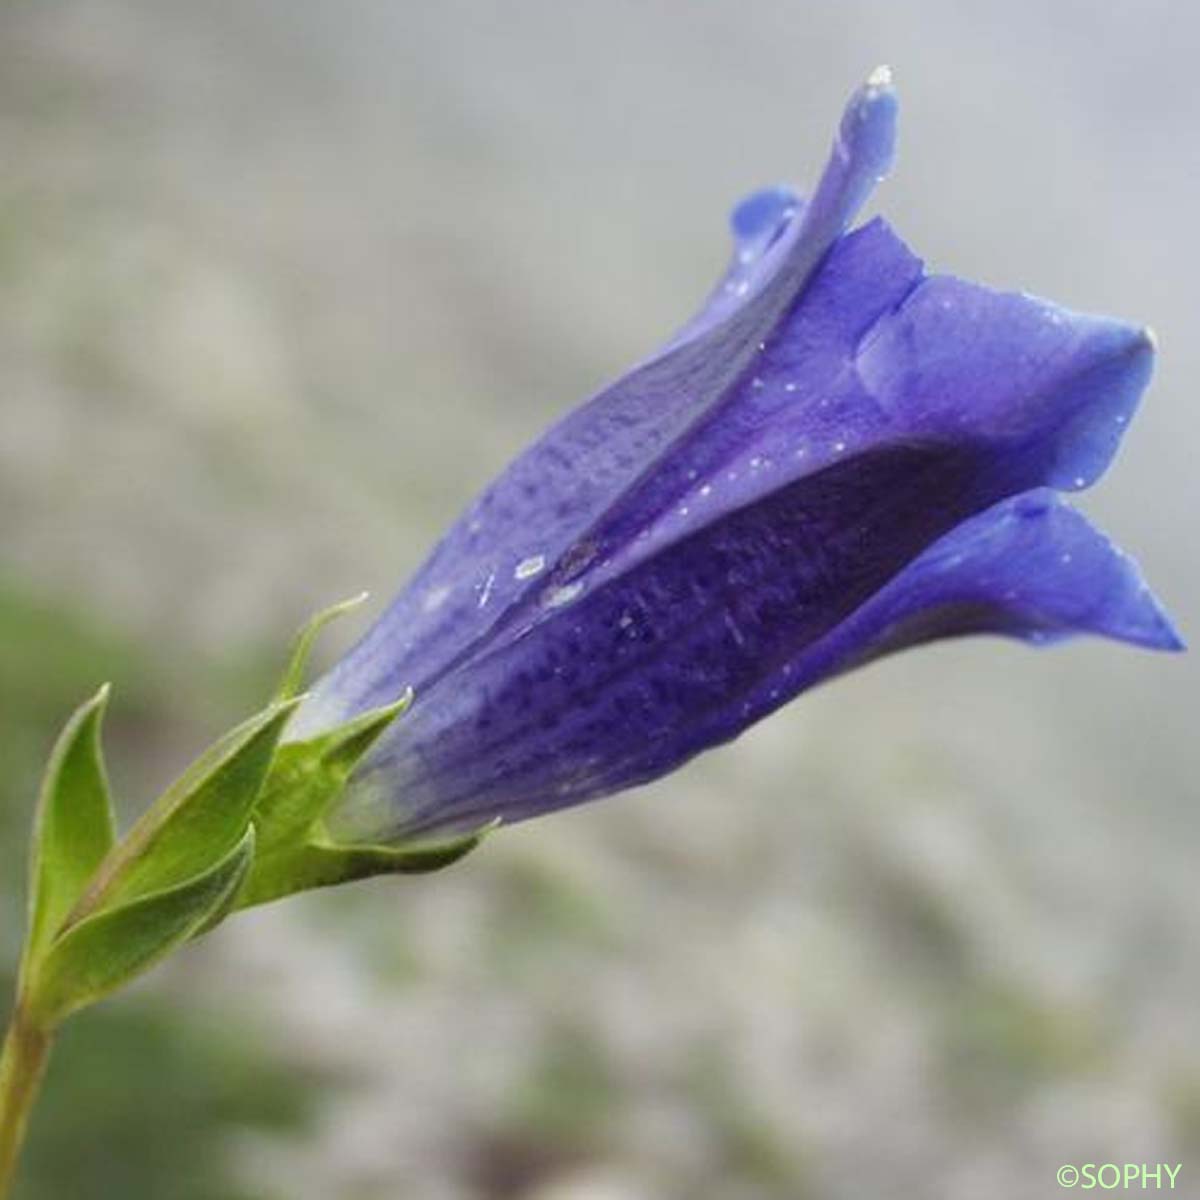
73	828
109	948
196	820
292	682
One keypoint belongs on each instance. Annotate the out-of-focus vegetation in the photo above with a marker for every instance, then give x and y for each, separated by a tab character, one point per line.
281	283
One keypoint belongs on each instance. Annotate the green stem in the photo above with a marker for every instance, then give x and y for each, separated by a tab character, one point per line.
22	1065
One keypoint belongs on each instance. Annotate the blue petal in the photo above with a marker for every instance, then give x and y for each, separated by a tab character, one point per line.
1030	567
615	684
534	517
760	218
1052	388
645	675
874	354
812	473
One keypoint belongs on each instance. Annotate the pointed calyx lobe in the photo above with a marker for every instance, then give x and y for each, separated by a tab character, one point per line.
819	467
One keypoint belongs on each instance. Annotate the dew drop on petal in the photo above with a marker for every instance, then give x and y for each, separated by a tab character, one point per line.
435	598
527	568
557	597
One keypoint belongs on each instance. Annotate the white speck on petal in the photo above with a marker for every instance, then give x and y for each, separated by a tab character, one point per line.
435	598
1080	481
839	447
706	490
557	597
742	288
789	387
486	594
527	568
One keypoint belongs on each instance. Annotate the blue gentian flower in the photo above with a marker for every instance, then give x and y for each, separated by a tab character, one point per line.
838	457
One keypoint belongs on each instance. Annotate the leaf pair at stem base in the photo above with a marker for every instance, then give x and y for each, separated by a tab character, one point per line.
241	826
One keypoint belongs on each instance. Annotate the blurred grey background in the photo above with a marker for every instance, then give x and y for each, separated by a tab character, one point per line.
281	284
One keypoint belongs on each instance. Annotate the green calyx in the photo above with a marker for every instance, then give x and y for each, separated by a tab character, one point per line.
244	824
295	852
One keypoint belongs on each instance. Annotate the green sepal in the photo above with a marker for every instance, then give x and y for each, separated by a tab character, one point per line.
317	864
295	853
292	683
73	828
109	948
196	821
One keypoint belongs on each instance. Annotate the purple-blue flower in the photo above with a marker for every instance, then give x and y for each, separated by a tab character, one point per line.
839	456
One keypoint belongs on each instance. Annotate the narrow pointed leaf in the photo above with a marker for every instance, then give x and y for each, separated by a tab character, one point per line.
292	683
74	827
112	947
197	820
